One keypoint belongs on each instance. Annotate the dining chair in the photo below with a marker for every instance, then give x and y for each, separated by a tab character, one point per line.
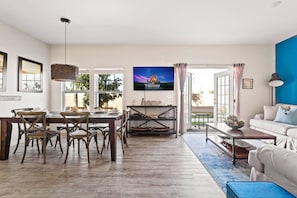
121	131
99	127
21	131
77	128
35	127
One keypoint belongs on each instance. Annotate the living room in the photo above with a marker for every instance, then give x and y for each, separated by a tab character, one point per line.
259	56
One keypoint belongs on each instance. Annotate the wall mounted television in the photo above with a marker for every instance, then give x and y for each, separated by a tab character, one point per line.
153	78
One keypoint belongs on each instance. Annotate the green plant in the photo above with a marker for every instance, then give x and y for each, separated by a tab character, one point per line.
108	85
83	83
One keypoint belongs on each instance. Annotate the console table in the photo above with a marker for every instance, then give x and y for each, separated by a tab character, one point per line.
154	119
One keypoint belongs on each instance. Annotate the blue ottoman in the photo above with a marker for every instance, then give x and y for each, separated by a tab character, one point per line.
256	189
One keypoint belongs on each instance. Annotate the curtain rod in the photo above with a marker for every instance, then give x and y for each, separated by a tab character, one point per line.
231	64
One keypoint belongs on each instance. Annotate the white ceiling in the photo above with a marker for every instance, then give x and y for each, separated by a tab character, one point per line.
164	22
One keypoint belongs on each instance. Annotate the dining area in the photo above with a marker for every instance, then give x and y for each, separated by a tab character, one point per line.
66	132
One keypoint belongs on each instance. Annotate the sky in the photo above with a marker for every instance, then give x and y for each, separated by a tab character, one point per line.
203	80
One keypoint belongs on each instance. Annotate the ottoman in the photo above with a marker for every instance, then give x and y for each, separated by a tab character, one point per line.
256	189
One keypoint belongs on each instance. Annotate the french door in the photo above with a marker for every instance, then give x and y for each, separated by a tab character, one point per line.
223	95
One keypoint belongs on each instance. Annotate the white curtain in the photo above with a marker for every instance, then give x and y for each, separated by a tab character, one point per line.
181	69
237	73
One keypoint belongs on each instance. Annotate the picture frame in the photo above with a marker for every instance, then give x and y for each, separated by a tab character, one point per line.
3	70
29	75
247	83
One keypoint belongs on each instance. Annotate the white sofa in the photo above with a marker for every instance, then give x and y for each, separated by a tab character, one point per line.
285	133
272	163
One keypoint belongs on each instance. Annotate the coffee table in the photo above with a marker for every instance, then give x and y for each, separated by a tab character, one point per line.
234	135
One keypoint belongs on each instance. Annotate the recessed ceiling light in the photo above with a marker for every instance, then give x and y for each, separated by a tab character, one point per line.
276	3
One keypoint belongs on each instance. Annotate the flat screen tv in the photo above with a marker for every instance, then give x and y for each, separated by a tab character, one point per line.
153	78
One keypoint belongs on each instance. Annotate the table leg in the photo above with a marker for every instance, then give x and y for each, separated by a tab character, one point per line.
6	128
206	133
233	151
113	140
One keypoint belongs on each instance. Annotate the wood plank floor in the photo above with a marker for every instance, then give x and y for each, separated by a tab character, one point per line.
153	166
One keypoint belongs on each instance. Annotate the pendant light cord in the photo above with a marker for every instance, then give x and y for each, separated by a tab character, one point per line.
65	43
65	21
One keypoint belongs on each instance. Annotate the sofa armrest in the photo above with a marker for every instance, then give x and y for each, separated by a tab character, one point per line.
254	162
280	160
259	116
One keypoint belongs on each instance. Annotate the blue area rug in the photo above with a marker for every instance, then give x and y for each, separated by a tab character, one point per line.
217	162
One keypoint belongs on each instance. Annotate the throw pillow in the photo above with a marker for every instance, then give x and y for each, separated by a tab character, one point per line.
286	116
270	112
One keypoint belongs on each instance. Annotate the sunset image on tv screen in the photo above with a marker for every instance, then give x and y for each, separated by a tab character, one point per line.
153	78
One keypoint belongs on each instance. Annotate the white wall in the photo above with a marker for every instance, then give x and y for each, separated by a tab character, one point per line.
259	64
16	43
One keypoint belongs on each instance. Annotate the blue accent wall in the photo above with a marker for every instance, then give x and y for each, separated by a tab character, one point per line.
286	67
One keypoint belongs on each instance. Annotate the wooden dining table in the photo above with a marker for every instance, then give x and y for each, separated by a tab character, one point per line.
110	118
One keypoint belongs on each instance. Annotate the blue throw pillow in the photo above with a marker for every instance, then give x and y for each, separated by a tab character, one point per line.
286	116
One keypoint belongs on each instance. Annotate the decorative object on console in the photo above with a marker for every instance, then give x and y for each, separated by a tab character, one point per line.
64	72
233	122
275	81
150	102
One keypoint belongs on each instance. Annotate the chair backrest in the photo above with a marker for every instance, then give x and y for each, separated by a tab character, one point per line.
15	114
33	121
124	120
76	121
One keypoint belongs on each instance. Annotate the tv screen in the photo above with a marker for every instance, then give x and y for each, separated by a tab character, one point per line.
153	78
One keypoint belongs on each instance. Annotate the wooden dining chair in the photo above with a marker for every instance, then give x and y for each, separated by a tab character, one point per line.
121	131
99	127
21	131
77	127
35	127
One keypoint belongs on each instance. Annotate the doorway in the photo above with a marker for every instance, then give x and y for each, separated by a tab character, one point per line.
209	95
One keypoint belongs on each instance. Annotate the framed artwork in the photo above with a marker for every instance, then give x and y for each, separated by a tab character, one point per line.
247	83
3	68
30	75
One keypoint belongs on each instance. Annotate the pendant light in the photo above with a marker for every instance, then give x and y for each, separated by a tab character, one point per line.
64	72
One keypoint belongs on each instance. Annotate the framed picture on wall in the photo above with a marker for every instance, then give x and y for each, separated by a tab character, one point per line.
247	83
30	75
3	68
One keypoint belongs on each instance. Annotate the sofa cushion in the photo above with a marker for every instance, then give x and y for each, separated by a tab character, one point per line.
270	112
286	116
267	125
287	106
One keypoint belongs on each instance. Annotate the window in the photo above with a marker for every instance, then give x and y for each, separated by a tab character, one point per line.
109	90
106	90
76	94
30	75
